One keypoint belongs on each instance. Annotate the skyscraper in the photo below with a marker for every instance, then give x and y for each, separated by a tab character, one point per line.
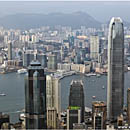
9	50
42	58
99	114
115	88
71	40
35	97
73	116
77	59
53	93
52	62
51	118
128	105
27	58
94	47
76	97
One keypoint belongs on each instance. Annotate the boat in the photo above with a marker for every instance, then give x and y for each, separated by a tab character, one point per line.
21	71
98	75
93	97
2	94
90	74
103	87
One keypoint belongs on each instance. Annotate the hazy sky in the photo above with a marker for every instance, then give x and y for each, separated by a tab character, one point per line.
101	11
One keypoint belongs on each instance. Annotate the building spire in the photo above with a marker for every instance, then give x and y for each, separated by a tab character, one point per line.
35	55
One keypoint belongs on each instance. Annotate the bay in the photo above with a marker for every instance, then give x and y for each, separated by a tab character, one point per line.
12	85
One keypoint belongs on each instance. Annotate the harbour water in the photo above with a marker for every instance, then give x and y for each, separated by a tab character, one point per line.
12	85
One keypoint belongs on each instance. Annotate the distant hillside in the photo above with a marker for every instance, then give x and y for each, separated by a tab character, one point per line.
27	21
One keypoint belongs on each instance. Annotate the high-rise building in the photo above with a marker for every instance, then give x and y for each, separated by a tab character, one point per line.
27	58
71	40
24	38
77	59
94	47
98	121
4	118
99	115
6	39
9	50
51	118
35	97
76	97
52	62
62	53
73	116
128	105
42	58
34	39
53	93
115	88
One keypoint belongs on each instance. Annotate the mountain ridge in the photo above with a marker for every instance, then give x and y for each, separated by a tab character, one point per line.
27	21
36	20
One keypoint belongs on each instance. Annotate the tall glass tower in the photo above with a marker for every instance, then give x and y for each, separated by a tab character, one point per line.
35	97
76	96
115	88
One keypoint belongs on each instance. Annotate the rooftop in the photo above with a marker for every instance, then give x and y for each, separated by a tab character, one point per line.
116	19
35	63
77	82
99	103
74	108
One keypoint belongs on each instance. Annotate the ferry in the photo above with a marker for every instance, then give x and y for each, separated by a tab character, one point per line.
98	75
62	74
21	71
90	74
93	97
103	87
2	94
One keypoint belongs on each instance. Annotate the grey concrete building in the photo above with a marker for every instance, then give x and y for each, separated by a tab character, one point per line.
52	62
42	58
9	50
99	114
115	88
27	58
128	105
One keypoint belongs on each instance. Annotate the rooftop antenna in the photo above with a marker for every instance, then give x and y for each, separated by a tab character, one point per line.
35	55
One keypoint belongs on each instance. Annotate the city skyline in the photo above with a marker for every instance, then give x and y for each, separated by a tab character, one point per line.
63	67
